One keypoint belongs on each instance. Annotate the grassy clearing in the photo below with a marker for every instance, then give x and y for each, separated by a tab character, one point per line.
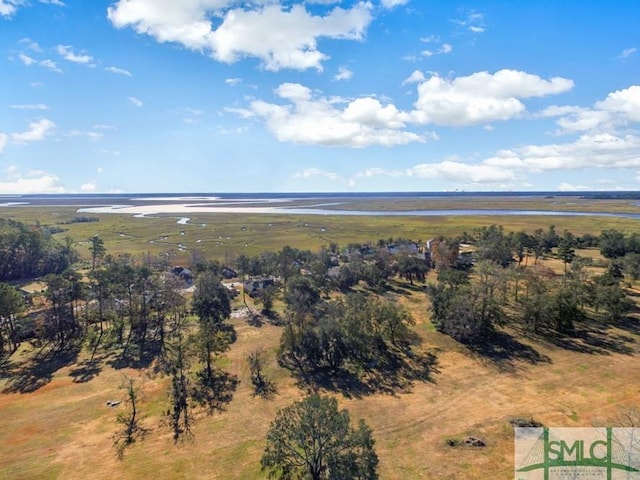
63	429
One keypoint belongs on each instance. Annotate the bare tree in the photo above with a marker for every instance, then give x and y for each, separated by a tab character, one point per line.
179	413
262	385
131	428
97	250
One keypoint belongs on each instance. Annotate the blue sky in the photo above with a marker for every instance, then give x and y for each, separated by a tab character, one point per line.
322	95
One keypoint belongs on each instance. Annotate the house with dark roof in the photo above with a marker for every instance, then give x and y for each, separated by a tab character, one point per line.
254	286
229	272
184	273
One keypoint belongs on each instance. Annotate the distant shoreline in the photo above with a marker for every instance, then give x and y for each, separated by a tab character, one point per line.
96	199
620	204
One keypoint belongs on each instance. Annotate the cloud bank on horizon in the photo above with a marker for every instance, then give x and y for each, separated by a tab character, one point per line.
318	95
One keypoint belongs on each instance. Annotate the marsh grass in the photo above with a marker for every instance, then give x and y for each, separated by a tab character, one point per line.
225	236
488	202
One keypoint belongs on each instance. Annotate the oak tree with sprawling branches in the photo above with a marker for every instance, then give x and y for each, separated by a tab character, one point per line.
313	440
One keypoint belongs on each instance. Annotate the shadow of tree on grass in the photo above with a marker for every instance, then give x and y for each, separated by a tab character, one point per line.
594	337
504	351
216	392
630	324
39	370
255	320
132	357
87	370
406	289
392	373
265	389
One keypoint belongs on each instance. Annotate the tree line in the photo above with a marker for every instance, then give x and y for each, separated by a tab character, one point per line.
469	304
138	302
31	252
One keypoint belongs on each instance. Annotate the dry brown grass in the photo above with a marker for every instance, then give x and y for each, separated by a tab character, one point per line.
64	429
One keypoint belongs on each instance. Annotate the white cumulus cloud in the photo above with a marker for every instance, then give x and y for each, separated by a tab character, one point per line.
592	150
309	117
393	3
625	102
313	119
89	187
369	111
8	7
618	109
35	181
37	131
481	97
416	77
343	74
66	52
281	37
